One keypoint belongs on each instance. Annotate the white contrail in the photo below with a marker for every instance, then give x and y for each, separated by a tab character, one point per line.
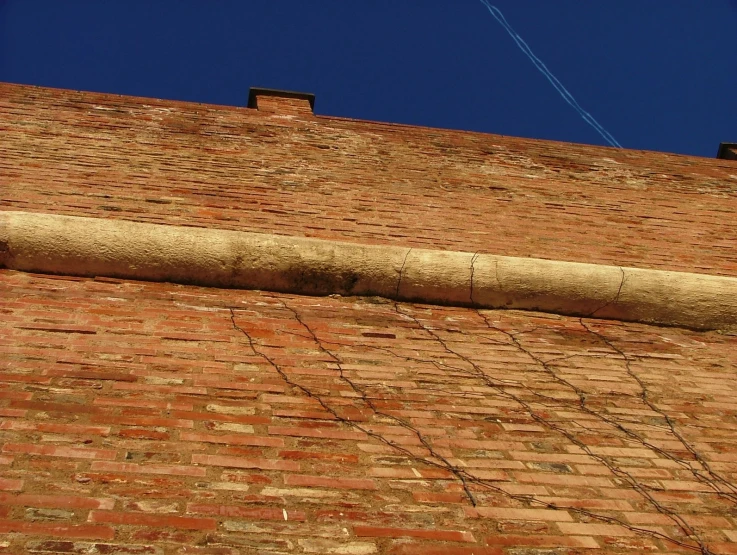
567	96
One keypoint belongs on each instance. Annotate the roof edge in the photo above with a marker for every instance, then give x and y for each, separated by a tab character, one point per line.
80	246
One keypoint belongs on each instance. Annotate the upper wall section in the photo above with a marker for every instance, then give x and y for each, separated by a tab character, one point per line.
292	173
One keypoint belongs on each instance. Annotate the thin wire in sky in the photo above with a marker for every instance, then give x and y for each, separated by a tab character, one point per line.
567	96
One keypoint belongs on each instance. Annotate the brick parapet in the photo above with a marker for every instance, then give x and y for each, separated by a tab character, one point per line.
159	161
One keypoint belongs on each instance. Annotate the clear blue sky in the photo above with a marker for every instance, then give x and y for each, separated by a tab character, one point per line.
657	74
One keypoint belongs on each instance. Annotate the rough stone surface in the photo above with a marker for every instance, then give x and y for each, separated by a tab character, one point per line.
90	247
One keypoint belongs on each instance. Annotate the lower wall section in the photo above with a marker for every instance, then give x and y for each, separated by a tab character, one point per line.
157	418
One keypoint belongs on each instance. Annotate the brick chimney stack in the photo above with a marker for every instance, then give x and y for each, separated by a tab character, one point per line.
281	102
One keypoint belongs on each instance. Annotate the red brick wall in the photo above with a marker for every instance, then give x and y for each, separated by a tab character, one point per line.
156	418
236	168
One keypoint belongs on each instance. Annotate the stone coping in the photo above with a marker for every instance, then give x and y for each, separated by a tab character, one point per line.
80	246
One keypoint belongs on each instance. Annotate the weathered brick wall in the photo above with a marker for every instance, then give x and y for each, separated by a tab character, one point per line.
156	418
237	168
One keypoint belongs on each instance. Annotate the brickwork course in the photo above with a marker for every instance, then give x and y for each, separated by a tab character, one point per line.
140	417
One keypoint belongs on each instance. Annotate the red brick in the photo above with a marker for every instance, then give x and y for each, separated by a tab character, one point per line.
147	403
12	413
583	529
16	395
316	432
232	384
411	473
89	374
428	549
236	511
238	462
509	513
56	428
423	497
328	482
585	542
60	451
56	501
136	433
87	531
142	421
167	469
152	520
10	484
23	378
438	535
303	455
233	439
177	389
242	419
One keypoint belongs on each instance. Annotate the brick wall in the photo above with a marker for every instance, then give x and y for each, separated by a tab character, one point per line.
176	419
157	418
237	168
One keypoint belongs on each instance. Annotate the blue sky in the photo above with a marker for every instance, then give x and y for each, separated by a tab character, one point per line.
657	74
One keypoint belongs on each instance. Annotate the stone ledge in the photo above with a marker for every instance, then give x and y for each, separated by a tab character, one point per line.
80	246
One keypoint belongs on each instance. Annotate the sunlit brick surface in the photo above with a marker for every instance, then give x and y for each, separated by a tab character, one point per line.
156	418
236	168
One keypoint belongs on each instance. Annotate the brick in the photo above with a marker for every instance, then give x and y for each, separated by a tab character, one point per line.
84	548
137	433
306	455
178	389
56	501
423	497
166	469
583	529
167	375
508	513
233	439
316	432
329	482
88	531
243	419
238	462
10	484
411	473
59	451
235	511
438	535
427	549
585	542
90	374
13	413
23	378
57	428
147	403
142	421
152	520
339	547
